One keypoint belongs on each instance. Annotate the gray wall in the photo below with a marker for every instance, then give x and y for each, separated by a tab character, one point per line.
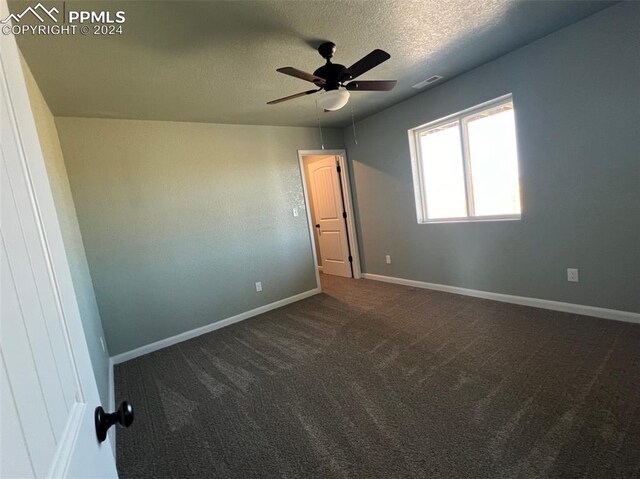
71	237
180	220
577	99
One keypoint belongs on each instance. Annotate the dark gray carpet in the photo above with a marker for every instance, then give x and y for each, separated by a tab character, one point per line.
377	380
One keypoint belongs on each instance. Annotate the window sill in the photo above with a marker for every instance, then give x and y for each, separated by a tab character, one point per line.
482	219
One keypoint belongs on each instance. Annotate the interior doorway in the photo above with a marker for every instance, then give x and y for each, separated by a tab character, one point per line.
330	214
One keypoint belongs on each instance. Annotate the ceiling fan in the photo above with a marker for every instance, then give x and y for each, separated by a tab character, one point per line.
331	78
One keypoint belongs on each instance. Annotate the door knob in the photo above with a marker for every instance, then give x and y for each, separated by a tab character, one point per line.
104	420
318	226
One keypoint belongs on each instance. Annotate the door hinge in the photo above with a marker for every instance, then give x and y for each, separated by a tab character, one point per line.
350	259
339	169
344	215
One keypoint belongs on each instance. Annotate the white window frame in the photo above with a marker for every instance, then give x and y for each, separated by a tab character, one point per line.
418	175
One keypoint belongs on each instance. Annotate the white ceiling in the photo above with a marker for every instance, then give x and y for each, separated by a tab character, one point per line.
212	61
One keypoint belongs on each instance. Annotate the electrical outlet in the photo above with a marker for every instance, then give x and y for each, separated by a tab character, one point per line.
104	348
387	259
295	212
572	275
259	286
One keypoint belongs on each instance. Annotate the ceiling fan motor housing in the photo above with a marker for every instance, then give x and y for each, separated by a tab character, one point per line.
333	73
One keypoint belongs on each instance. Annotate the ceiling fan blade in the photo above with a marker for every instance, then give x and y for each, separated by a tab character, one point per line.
291	97
376	85
366	63
294	72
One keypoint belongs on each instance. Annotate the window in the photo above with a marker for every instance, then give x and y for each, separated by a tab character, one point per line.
465	166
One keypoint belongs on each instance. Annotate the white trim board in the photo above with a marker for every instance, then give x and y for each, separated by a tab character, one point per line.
112	406
112	387
178	338
605	313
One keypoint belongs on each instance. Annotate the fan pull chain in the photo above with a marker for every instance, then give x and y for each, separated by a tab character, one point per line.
353	122
319	126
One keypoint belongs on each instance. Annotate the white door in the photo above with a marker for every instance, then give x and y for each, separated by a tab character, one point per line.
48	390
328	210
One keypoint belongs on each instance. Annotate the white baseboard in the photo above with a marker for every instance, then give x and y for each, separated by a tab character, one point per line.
605	313
163	343
112	390
112	406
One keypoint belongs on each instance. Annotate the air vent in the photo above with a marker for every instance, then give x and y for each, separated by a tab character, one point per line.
428	81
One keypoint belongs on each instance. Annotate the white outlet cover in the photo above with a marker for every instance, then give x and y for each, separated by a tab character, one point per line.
259	286
572	275
387	259
295	212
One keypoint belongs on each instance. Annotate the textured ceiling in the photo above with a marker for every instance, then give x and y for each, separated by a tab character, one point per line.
211	61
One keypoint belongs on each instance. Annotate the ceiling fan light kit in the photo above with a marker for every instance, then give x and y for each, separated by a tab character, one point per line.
333	100
331	78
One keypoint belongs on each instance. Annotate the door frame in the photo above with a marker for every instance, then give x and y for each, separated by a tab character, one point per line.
345	181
